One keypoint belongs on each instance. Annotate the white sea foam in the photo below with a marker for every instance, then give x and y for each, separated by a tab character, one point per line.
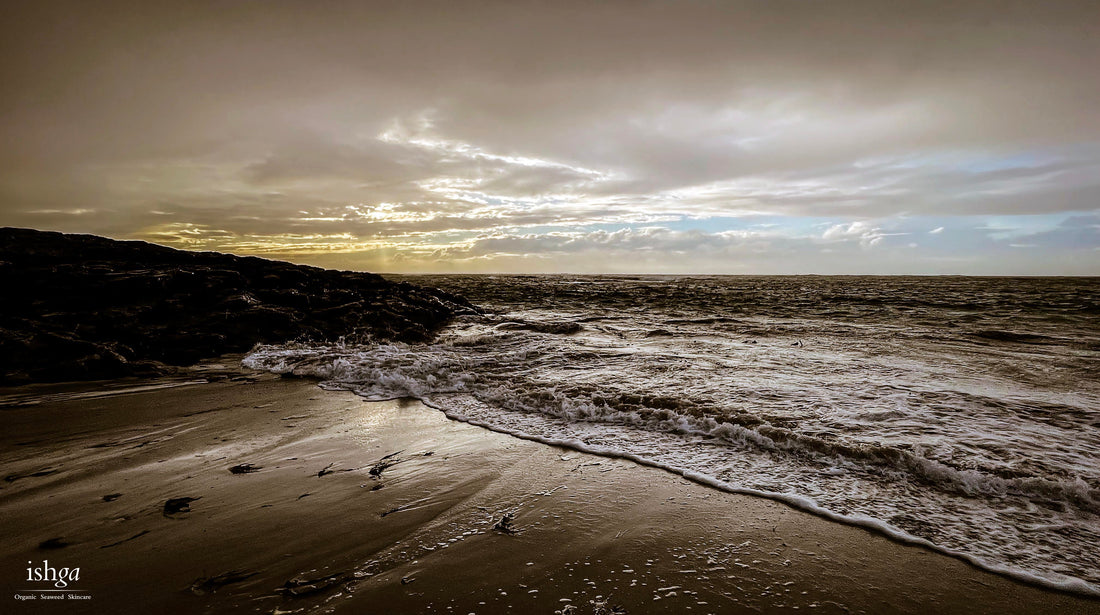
918	439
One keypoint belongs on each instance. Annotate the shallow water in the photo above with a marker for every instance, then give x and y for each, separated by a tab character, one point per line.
963	412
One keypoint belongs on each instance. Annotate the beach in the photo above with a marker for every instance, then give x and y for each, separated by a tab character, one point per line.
221	490
575	308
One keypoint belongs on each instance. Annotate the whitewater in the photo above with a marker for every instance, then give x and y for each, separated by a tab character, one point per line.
958	413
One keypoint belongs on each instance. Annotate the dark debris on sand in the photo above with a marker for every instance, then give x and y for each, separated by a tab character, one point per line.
385	462
303	587
178	505
602	607
54	543
599	607
245	468
325	471
124	540
505	525
11	478
209	585
395	509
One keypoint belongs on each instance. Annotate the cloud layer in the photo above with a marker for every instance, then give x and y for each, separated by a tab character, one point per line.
770	137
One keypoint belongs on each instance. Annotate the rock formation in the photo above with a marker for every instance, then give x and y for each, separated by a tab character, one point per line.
77	307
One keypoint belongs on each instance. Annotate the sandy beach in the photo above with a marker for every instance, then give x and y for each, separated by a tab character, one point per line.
253	493
566	308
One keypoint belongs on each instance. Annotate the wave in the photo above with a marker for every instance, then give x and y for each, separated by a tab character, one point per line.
1064	583
669	409
1018	337
552	327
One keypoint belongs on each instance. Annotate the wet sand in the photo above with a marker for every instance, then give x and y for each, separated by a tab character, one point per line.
339	505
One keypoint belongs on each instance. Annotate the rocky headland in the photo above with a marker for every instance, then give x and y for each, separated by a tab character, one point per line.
79	307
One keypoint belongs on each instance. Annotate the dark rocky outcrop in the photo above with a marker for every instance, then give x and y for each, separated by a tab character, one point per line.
77	307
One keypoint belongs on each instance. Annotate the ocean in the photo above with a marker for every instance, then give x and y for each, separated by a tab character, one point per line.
955	412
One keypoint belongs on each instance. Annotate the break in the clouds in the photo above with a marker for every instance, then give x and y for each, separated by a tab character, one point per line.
717	137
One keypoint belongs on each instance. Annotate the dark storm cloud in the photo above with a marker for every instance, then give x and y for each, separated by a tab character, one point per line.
274	121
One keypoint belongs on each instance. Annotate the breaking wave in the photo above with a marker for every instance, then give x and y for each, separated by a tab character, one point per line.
901	424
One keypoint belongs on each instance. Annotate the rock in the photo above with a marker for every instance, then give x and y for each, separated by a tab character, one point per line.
78	307
178	505
505	525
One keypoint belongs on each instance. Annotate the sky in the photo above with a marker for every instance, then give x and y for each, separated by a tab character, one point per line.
777	137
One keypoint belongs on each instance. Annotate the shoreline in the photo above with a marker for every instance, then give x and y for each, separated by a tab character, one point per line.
1075	587
416	534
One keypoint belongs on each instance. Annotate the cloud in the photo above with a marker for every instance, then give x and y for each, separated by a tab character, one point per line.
422	125
867	235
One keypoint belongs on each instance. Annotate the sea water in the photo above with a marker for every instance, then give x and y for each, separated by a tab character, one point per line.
961	413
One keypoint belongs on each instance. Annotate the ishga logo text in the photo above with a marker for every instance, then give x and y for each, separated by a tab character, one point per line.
59	576
61	580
